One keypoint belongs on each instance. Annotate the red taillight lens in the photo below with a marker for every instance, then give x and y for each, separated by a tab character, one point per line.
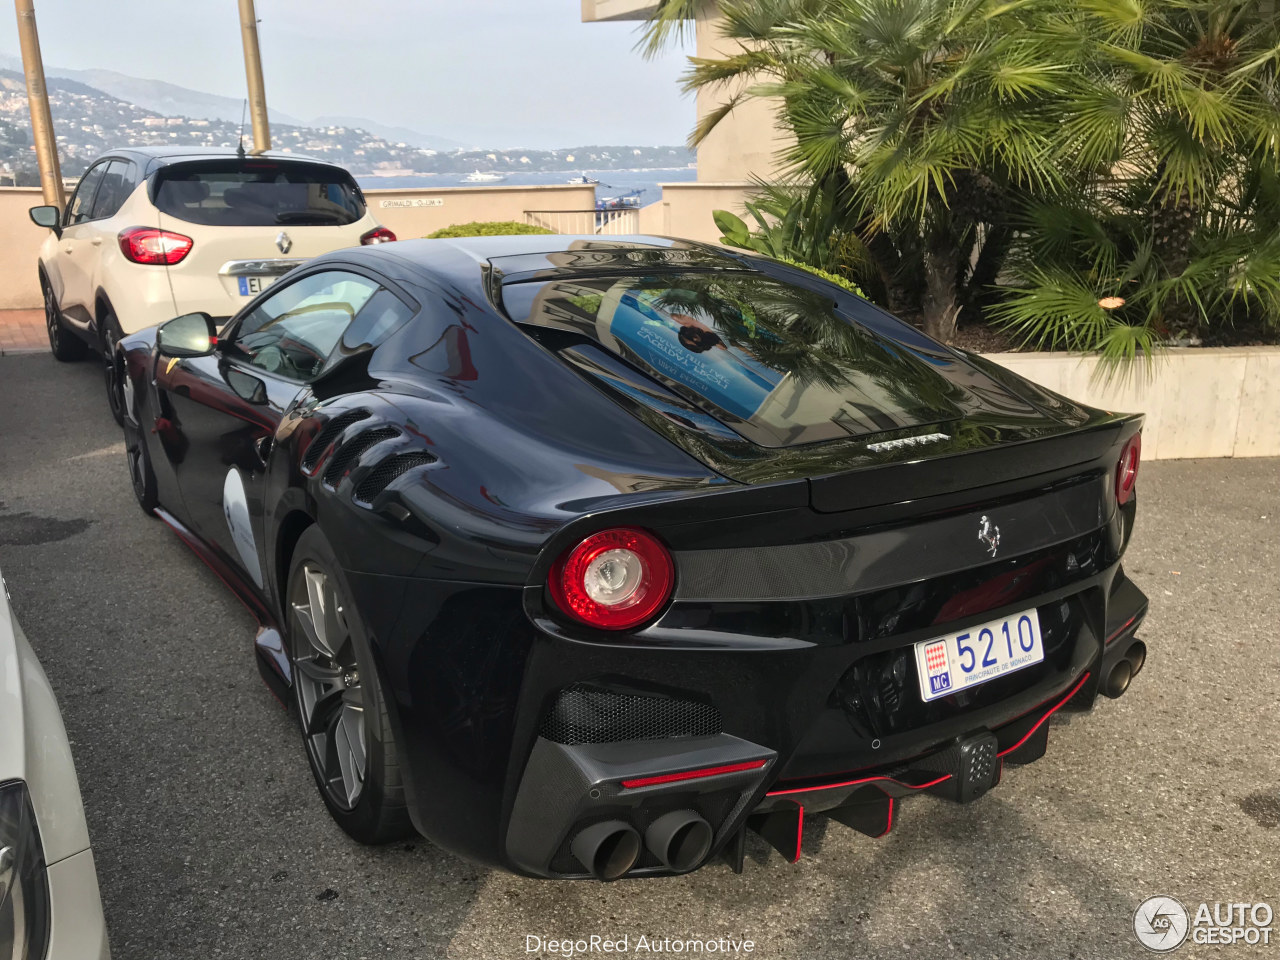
378	235
149	245
614	579
1127	468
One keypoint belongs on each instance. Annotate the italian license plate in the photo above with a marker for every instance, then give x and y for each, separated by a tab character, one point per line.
252	286
978	654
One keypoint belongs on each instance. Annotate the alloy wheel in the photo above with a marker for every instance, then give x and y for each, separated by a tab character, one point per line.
113	371
137	465
326	680
51	325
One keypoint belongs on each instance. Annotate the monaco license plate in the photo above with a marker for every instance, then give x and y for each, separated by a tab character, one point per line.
978	654
252	286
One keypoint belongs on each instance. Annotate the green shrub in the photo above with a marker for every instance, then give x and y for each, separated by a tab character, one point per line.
826	275
491	228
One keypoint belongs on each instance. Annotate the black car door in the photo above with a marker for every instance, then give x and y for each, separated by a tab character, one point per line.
225	408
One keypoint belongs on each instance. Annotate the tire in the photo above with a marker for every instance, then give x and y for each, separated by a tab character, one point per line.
113	365
63	344
341	708
141	475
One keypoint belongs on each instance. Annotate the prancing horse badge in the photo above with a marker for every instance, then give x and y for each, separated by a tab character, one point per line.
989	534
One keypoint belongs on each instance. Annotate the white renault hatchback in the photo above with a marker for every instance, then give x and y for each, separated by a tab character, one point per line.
49	903
154	232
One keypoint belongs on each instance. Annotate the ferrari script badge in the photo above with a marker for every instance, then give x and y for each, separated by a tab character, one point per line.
989	534
884	445
283	243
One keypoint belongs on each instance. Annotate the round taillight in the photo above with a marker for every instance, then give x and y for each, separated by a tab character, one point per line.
1127	468
614	579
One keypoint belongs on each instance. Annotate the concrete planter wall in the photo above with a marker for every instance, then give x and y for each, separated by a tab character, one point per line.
1216	402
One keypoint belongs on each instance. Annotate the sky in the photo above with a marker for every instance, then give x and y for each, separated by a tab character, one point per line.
497	73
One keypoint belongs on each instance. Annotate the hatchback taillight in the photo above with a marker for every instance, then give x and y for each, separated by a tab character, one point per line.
152	246
614	579
1127	468
378	235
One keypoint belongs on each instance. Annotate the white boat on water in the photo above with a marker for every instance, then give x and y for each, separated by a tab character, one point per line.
584	181
480	176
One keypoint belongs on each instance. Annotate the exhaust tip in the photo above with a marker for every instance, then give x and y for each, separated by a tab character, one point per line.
1137	656
680	839
607	850
1118	679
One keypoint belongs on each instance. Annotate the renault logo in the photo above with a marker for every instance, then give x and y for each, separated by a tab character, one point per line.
283	243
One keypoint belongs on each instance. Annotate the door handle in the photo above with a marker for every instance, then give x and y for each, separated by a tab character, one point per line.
96	241
68	247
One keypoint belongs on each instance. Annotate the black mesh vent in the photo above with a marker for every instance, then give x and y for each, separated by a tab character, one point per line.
327	435
583	714
381	475
345	457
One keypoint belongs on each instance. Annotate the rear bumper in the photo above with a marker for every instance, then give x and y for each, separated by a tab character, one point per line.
731	785
559	736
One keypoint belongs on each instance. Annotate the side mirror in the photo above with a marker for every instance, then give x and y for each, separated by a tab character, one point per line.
190	335
49	216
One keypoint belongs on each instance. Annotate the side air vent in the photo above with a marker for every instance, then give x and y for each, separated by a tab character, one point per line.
328	433
588	714
389	469
347	455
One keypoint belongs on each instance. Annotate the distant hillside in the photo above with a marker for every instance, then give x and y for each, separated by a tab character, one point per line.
88	122
168	99
171	100
414	138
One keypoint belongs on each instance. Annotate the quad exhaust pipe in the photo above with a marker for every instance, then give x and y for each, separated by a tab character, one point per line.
607	850
1125	669
680	839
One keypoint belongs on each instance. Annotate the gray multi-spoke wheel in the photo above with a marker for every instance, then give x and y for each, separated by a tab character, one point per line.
341	707
327	676
63	344
113	366
141	476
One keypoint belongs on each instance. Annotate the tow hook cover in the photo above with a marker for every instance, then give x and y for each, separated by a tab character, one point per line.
973	764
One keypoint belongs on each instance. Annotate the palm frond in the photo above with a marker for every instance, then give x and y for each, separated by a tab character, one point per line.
671	23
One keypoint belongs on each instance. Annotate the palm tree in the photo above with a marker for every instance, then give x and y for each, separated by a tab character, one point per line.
1176	222
919	118
1096	174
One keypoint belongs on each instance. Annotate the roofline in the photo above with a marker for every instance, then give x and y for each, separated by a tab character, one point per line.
595	11
153	158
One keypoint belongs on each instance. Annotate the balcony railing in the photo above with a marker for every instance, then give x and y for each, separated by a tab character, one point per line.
602	222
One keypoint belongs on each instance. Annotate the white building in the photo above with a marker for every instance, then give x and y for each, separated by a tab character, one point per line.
743	146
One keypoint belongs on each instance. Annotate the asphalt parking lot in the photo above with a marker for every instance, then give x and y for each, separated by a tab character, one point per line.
212	842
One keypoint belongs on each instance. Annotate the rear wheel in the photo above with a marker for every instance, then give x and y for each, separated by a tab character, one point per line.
141	475
113	365
63	344
341	706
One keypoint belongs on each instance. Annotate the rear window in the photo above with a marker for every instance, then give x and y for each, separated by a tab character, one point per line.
258	193
779	363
